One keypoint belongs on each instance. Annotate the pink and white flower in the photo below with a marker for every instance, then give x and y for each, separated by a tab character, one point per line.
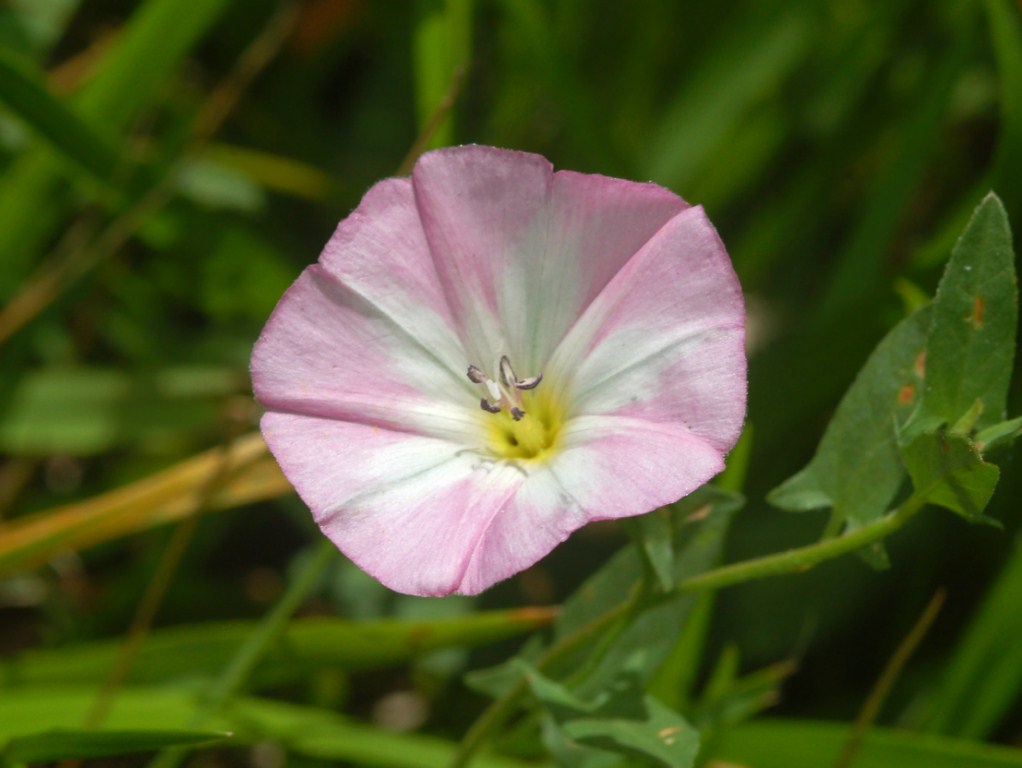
489	355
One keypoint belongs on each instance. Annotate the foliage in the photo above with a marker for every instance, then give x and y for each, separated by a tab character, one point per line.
168	166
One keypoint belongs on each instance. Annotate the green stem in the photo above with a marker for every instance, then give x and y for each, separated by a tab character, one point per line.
792	561
804	558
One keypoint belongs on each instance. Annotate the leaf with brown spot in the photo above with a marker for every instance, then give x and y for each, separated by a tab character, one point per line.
857	468
970	347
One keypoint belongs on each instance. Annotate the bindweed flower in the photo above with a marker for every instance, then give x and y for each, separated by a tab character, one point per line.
490	355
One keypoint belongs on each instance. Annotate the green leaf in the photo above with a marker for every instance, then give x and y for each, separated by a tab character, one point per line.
202	650
802	744
620	719
857	468
654	537
999	435
62	744
729	699
24	91
700	522
947	470
971	343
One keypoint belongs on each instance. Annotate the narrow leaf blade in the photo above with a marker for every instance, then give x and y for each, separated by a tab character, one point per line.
61	744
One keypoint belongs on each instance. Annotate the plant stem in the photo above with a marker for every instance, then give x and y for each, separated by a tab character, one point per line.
793	561
803	558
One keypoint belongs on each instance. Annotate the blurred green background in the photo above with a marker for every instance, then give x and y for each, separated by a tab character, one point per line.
168	167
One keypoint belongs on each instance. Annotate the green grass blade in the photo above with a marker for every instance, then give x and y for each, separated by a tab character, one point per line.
64	744
26	94
803	744
307	644
148	51
751	62
326	735
38	24
442	49
1006	36
861	266
300	729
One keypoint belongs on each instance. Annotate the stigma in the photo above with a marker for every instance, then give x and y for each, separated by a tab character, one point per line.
504	390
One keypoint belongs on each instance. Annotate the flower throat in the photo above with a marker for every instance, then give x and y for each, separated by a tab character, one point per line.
526	423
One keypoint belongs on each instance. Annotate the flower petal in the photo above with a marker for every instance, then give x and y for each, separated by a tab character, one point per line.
521	251
664	341
408	510
597	224
484	212
609	467
326	352
380	253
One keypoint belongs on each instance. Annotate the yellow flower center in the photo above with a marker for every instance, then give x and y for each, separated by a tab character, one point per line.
534	436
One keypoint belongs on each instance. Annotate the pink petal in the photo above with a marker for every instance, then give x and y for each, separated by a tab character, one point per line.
610	467
426	518
597	224
664	341
521	251
408	510
326	352
484	211
379	252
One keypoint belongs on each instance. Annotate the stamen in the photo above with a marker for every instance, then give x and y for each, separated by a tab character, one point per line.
507	373
529	383
504	388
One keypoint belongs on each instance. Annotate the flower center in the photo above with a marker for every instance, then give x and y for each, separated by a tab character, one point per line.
526	423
